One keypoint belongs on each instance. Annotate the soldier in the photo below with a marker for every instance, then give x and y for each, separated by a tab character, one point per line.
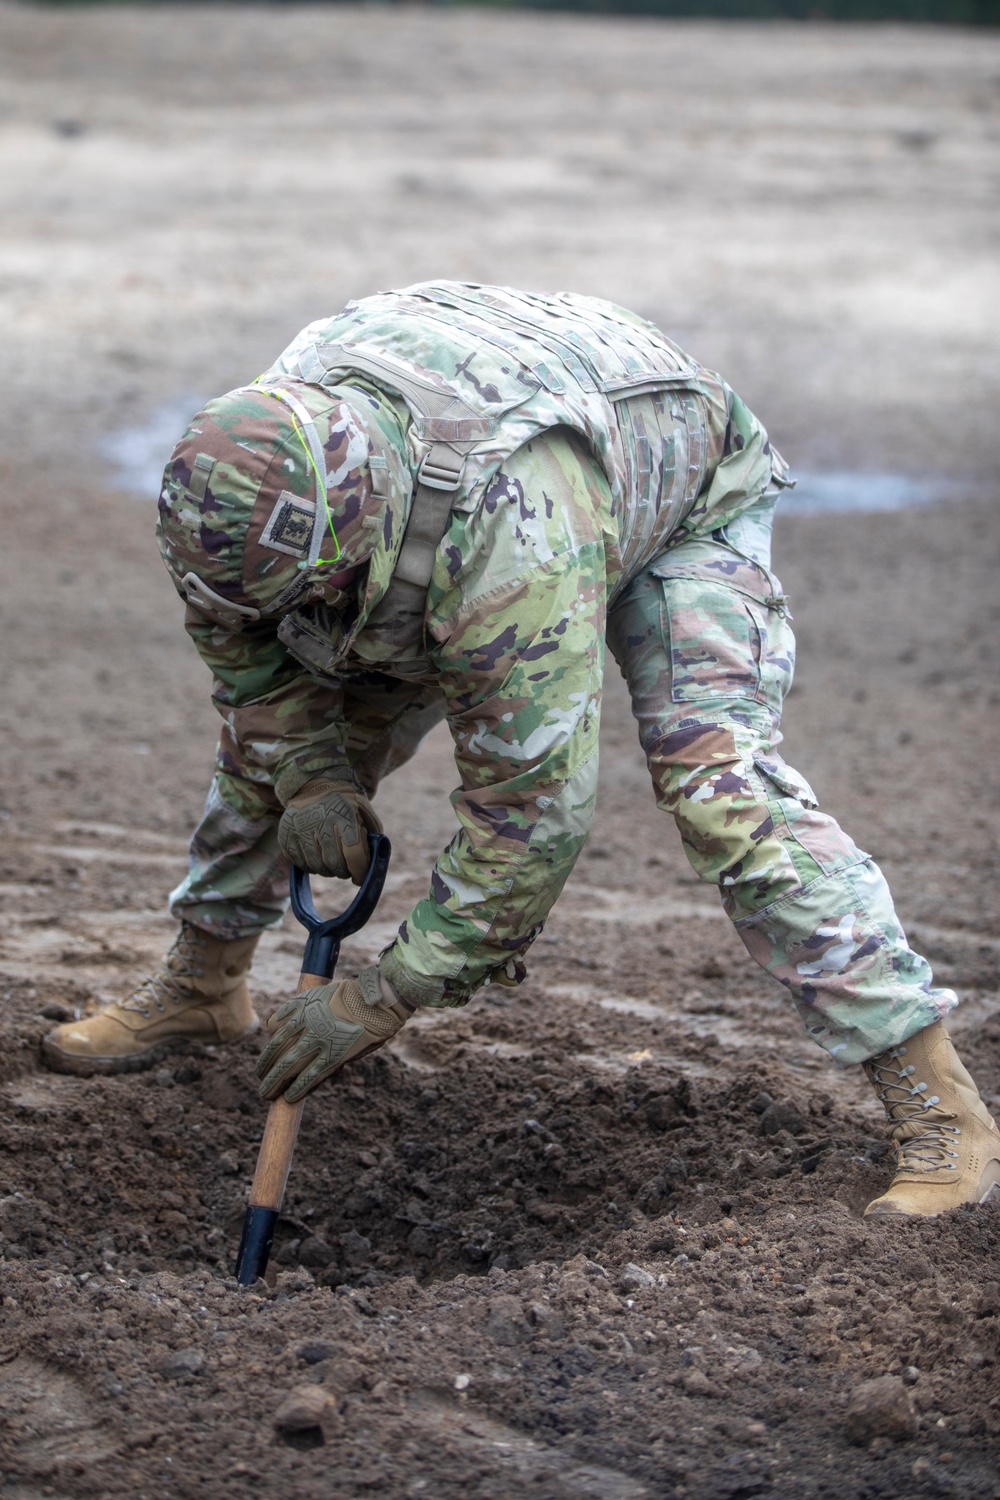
443	503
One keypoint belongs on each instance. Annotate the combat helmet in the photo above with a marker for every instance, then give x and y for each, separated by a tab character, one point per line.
264	497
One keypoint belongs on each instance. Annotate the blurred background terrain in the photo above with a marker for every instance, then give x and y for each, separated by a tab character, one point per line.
811	208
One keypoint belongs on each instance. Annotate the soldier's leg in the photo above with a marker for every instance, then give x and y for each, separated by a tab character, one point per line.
387	719
236	886
237	880
704	640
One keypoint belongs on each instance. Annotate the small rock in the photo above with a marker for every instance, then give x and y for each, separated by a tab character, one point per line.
920	1467
910	1375
316	1351
696	1383
183	1364
53	1011
462	1382
546	1320
357	1249
783	1114
661	1111
761	1102
299	1280
304	1409
229	1163
164	1078
421	1242
634	1277
506	1324
880	1408
315	1252
989	1300
745	1362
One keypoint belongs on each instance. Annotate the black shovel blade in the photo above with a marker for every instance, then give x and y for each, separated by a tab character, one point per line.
255	1244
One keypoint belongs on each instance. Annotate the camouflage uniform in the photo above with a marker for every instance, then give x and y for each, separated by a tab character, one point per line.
611	491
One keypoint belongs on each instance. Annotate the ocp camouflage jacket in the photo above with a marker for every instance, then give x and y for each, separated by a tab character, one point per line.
650	448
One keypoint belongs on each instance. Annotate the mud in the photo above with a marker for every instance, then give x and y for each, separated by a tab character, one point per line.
600	1236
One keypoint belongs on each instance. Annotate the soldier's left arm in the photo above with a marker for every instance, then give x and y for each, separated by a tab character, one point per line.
521	669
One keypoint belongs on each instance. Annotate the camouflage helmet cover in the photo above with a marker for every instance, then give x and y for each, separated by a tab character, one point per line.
237	511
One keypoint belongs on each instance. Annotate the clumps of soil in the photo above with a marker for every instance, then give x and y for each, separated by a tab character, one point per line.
497	1274
690	1360
489	1163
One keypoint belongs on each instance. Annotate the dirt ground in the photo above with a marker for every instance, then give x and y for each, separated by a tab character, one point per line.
600	1236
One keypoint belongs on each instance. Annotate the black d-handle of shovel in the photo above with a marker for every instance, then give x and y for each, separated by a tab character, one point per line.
318	963
325	937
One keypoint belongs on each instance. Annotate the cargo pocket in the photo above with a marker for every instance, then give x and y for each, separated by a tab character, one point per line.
715	639
785	778
798	820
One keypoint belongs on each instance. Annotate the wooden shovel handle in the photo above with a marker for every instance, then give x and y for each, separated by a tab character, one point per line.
280	1134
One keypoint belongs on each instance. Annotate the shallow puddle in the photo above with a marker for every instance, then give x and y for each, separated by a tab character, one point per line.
138	454
837	490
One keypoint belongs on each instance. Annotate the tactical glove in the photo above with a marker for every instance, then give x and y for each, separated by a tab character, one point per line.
316	1032
325	827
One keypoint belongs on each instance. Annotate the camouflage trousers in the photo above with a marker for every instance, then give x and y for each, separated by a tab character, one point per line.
703	638
237	881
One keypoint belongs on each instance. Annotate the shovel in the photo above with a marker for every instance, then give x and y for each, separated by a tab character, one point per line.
283	1119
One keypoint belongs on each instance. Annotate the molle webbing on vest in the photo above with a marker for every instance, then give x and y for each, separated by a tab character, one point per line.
484	370
673	471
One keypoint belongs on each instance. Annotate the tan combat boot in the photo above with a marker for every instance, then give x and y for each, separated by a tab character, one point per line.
199	994
948	1145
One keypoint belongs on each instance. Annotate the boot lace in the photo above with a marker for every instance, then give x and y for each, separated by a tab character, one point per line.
186	960
925	1139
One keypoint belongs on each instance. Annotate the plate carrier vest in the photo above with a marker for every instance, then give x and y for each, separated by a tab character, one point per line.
482	371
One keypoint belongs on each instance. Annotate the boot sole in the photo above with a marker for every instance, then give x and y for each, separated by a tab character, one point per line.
89	1066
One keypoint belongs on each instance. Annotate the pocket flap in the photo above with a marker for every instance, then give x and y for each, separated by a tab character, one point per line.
785	777
316	639
710	563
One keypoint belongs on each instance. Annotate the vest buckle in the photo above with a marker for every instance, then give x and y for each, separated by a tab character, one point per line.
440	470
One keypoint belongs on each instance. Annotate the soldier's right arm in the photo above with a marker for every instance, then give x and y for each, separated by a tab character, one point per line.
282	726
520	660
